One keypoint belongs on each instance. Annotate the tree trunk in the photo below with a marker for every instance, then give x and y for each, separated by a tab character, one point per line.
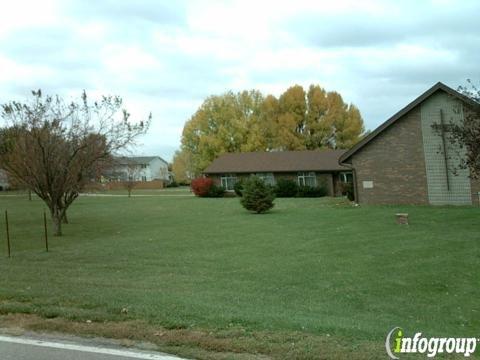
57	217
57	224
30	195
129	192
65	219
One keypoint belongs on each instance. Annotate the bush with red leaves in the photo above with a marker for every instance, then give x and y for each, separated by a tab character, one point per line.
204	187
201	186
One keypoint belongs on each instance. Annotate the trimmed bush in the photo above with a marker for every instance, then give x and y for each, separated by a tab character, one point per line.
289	188
173	184
215	191
310	191
204	187
286	188
201	186
238	187
257	196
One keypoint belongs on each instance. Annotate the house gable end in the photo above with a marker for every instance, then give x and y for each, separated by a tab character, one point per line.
396	117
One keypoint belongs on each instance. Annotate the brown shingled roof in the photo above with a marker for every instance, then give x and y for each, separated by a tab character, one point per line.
277	161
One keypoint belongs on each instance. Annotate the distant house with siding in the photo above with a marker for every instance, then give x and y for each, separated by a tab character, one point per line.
139	168
406	161
310	168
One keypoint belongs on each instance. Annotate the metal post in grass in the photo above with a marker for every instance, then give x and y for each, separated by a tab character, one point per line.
45	228
8	232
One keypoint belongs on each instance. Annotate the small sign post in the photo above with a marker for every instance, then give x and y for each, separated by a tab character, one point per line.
8	233
45	228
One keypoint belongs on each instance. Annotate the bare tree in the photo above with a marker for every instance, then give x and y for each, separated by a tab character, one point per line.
54	148
467	134
464	135
133	171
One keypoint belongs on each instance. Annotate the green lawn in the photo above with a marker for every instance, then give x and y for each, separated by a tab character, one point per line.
328	276
181	190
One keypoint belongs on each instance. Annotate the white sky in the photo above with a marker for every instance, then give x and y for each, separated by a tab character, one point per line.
167	56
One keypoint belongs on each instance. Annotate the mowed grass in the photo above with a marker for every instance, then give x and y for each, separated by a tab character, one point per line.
317	267
180	190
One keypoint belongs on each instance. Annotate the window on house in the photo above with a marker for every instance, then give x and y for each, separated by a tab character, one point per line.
268	178
143	166
144	178
228	181
346	177
307	179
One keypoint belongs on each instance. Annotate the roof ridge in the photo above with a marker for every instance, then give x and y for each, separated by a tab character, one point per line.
283	151
276	161
438	86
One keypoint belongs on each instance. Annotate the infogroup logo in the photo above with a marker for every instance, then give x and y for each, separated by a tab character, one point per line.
397	343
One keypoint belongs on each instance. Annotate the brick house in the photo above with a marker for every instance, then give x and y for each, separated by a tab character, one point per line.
406	161
311	168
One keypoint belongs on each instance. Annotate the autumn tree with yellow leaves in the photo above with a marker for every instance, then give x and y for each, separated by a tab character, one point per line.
250	121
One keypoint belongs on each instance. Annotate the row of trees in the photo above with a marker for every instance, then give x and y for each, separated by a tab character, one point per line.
250	121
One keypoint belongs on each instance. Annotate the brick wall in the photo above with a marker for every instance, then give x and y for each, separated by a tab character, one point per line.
393	163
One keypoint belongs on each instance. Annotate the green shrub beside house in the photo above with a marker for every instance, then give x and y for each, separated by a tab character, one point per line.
286	188
257	196
311	191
